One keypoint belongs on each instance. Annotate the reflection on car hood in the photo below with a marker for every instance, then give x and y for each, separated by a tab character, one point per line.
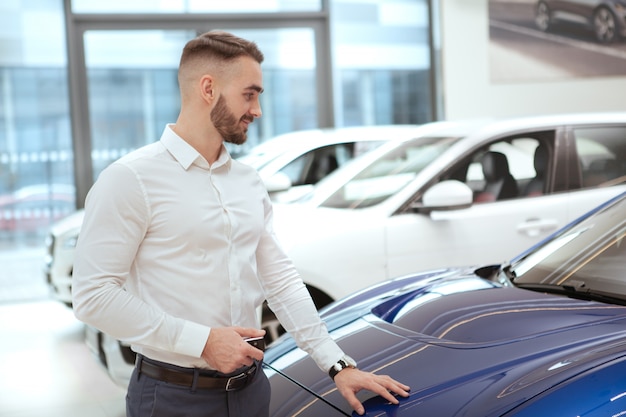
458	341
470	310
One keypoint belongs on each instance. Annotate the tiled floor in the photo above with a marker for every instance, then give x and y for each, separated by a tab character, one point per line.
46	369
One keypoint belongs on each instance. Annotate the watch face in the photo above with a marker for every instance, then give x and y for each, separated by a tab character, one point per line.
345	362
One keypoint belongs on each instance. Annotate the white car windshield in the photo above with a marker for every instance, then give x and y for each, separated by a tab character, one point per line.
258	160
389	174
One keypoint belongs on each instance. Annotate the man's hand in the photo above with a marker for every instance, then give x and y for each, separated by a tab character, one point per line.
226	350
350	381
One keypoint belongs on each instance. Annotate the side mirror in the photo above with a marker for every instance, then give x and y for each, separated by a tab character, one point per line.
446	195
277	183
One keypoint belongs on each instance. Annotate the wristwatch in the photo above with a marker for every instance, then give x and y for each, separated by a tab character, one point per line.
343	363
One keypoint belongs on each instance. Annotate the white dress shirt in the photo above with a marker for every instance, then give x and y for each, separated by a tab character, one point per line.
171	246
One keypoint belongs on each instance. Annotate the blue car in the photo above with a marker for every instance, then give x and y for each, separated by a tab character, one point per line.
541	335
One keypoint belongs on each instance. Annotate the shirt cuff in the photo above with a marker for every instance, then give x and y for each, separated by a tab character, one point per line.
192	339
327	355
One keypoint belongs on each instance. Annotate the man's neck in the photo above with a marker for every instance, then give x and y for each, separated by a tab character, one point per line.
207	141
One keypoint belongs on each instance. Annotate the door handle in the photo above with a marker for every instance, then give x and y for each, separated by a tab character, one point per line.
533	227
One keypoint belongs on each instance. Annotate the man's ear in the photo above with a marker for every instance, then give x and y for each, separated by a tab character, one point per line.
207	88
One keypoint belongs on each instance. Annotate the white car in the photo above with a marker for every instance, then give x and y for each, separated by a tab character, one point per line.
58	261
457	194
290	164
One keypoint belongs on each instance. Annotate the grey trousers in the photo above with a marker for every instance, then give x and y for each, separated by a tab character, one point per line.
149	397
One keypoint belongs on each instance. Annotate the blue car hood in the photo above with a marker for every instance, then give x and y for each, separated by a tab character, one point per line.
470	311
465	345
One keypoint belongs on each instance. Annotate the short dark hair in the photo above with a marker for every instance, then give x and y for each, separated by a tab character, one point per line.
220	45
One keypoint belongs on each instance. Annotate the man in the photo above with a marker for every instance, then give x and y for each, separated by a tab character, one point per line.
177	251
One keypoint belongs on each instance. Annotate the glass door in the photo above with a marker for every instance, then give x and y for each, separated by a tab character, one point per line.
133	90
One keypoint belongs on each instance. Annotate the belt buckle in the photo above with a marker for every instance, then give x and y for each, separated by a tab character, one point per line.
233	382
239	381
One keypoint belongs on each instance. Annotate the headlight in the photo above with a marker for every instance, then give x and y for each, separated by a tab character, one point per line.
70	242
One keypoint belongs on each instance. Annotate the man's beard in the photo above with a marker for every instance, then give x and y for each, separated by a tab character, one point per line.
227	124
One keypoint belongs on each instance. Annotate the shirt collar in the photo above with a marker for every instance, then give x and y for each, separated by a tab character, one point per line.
185	154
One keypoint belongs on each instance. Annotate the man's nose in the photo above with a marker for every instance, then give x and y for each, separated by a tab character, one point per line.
255	111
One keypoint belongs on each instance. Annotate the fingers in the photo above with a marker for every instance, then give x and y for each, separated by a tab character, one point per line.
249	332
252	352
226	351
385	387
385	394
390	385
351	381
355	403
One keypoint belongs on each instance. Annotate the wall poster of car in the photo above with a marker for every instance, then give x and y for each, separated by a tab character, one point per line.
545	40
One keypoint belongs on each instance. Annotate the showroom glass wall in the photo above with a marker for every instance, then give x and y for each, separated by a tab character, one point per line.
65	116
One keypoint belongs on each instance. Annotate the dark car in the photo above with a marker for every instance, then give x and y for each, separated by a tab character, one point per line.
544	334
605	17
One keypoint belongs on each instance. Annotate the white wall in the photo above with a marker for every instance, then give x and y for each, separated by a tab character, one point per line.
469	92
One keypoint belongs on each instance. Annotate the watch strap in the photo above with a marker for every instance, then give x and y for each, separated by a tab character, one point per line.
338	367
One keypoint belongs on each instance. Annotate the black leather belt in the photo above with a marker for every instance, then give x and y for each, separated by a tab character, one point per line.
186	379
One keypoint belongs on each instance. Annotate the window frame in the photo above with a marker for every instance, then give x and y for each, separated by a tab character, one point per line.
77	24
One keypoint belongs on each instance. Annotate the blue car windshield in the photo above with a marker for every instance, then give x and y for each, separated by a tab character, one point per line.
389	174
587	257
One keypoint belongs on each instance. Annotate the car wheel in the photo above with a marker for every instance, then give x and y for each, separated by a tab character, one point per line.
271	325
543	19
101	355
604	25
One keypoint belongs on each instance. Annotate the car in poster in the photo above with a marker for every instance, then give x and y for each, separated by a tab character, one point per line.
606	18
542	334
